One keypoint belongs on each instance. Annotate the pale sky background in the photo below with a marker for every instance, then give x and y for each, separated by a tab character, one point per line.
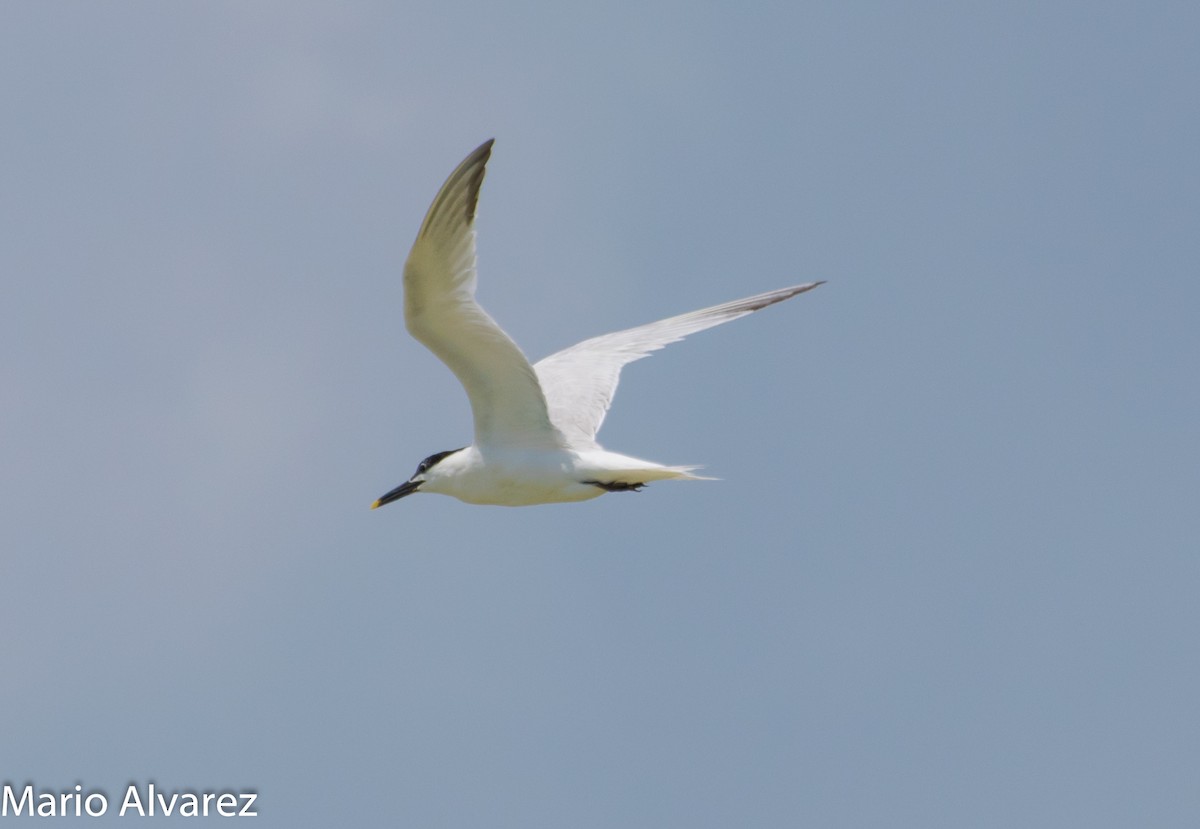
950	576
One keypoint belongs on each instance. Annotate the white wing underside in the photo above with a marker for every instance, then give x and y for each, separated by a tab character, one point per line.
560	402
441	312
579	382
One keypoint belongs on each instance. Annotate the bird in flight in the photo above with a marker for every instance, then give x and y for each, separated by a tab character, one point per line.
535	425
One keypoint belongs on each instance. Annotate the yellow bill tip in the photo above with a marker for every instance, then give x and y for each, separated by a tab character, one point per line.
375	505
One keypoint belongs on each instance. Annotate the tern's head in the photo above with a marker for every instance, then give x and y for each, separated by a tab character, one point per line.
428	471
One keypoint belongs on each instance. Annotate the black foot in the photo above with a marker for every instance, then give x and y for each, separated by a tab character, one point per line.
616	486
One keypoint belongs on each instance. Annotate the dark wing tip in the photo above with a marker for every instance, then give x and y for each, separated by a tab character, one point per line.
460	192
474	166
757	303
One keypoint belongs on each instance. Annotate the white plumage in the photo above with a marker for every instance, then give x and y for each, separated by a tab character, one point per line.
535	425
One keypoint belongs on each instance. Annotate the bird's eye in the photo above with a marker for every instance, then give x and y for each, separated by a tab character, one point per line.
432	460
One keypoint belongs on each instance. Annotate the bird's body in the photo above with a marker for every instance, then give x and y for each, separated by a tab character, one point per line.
522	477
535	425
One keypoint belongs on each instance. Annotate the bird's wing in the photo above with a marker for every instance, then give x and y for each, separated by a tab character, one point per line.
579	382
441	312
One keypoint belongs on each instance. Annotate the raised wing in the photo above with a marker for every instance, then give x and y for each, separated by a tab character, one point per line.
441	312
579	382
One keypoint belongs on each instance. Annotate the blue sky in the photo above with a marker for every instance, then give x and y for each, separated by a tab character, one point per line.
948	577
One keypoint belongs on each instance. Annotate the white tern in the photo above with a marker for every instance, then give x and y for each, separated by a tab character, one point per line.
535	425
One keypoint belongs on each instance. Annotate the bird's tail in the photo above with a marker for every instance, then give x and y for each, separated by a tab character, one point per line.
685	473
643	472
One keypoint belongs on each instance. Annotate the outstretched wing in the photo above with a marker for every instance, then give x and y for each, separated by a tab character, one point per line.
441	312
579	382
